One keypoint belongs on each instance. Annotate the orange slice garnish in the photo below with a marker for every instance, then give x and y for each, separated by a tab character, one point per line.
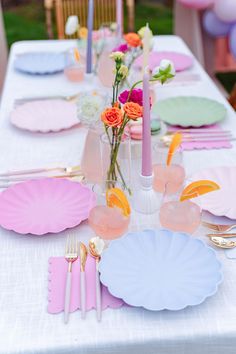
115	197
76	55
198	188
175	143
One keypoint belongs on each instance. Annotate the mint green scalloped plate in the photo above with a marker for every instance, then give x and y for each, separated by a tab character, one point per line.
190	111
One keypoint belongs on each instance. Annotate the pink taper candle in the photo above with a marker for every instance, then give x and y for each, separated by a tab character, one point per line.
146	142
119	18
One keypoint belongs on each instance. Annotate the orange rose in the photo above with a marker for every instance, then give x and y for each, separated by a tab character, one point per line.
133	110
133	39
112	117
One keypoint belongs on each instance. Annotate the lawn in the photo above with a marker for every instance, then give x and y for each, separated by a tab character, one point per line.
28	22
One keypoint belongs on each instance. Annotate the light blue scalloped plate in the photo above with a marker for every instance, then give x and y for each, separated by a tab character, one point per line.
40	63
160	269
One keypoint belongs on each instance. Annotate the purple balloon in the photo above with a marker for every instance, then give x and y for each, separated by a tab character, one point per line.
232	40
215	27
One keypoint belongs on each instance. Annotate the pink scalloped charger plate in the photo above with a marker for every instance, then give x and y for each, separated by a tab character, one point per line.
220	202
181	61
45	116
47	205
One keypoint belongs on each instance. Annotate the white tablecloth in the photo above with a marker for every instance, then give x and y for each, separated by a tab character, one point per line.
25	325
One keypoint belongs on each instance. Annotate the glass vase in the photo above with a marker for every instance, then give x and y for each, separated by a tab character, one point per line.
116	159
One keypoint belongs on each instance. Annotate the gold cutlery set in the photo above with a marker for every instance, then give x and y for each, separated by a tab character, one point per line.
221	236
73	251
9	178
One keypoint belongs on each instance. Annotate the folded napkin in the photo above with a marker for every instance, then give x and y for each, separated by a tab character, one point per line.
56	286
223	144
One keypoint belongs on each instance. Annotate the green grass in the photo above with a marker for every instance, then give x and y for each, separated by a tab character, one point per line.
25	22
159	18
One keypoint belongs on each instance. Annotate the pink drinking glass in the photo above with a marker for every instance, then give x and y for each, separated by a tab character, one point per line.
168	179
107	222
179	216
74	71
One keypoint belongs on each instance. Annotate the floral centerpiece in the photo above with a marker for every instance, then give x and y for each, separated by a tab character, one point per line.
125	107
133	46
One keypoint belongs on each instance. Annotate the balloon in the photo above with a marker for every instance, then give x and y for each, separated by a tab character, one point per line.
232	40
197	4
213	26
225	10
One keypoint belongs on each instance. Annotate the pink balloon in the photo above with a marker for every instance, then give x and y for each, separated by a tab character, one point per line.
225	10
197	4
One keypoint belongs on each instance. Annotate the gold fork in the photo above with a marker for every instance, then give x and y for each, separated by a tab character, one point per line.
218	227
71	255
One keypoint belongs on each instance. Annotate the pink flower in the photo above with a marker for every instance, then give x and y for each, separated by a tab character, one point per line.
121	48
136	96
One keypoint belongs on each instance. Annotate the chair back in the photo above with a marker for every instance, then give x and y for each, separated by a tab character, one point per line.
104	12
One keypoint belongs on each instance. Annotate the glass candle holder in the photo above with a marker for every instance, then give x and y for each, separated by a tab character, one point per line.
74	71
116	159
108	222
176	215
168	179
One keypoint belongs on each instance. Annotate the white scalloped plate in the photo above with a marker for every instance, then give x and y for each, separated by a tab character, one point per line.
45	116
221	202
160	269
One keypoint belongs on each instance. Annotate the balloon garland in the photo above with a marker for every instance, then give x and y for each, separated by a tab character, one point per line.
220	20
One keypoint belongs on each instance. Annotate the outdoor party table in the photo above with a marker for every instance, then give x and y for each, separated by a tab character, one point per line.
25	325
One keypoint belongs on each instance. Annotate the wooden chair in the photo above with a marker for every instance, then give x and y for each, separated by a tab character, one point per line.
104	12
3	51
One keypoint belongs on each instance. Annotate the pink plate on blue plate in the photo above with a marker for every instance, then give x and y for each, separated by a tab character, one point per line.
47	205
160	269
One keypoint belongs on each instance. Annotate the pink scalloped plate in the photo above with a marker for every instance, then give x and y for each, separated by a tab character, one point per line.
181	61
45	116
220	202
47	205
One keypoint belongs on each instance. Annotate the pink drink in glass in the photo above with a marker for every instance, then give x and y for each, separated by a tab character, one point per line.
170	178
75	73
166	177
180	216
108	223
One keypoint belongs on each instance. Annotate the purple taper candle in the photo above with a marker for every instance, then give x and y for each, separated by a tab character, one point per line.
89	39
146	142
119	18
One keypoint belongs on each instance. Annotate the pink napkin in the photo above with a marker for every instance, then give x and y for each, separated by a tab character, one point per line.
56	286
223	144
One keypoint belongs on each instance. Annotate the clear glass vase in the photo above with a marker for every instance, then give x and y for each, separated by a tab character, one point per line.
116	159
91	162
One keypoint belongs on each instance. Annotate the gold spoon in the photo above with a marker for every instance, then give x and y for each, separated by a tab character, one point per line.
96	246
83	257
222	243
